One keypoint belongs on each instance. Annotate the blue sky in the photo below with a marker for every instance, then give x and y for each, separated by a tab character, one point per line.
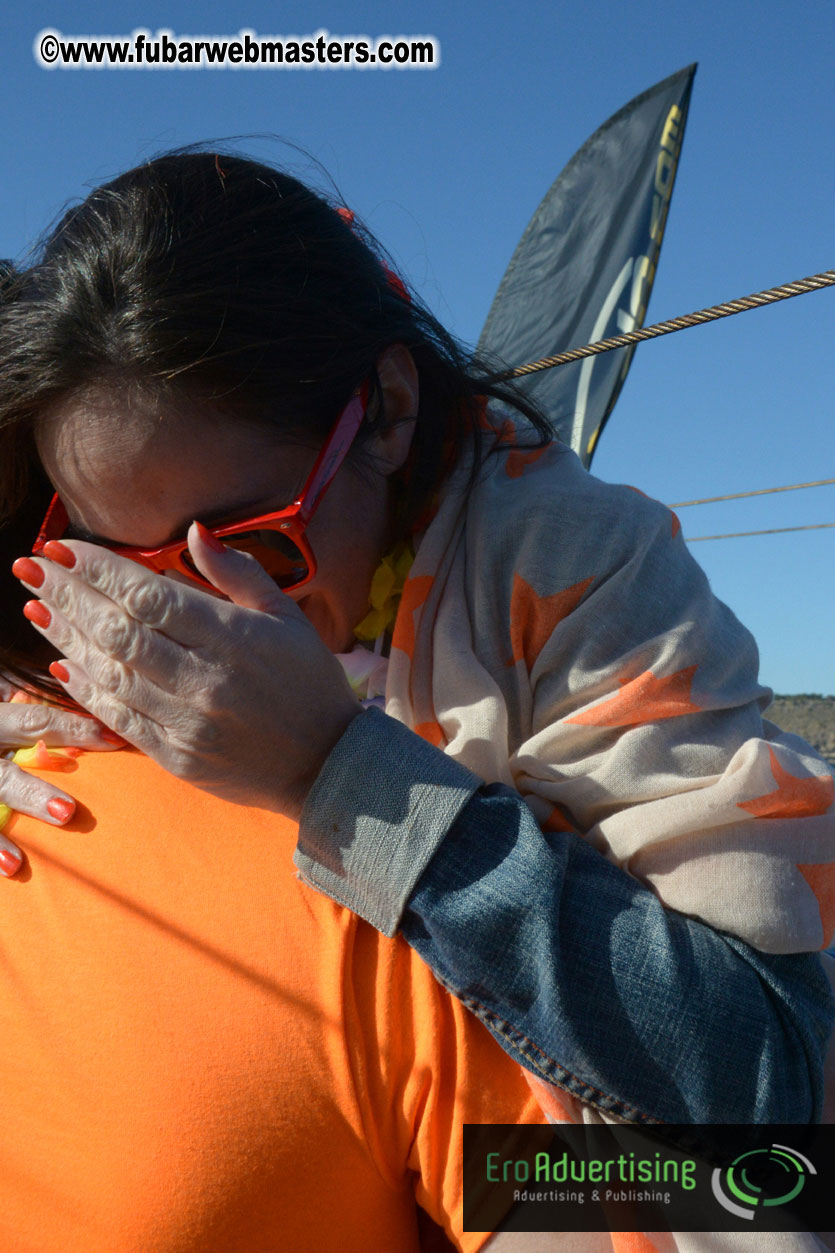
446	166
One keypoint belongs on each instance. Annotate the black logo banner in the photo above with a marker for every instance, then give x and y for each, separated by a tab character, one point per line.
618	1177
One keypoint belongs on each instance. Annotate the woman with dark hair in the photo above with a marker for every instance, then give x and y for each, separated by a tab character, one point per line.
571	806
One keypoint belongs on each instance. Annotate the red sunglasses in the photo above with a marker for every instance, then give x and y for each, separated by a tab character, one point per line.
276	540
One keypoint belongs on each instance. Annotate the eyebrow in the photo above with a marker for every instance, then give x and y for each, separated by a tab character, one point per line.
214	517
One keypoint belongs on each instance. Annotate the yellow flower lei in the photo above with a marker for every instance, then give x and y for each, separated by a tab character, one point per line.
386	590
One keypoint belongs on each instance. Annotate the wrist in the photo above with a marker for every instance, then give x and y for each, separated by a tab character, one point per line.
294	799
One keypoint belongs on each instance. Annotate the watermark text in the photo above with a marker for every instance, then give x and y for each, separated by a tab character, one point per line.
246	50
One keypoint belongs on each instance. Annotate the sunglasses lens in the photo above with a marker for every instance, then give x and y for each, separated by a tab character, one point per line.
280	556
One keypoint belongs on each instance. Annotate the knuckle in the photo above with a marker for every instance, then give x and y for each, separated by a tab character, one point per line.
61	598
148	602
98	571
73	729
118	717
205	736
81	728
28	721
182	763
19	789
112	676
114	635
221	689
196	733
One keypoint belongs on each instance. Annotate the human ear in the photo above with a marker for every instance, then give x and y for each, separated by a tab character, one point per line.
398	377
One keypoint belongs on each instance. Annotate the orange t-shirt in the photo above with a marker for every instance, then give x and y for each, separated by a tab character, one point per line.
201	1053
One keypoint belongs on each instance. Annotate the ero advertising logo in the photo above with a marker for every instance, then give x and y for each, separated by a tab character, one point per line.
761	1177
620	1177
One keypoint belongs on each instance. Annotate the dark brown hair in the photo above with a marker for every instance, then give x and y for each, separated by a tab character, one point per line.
219	279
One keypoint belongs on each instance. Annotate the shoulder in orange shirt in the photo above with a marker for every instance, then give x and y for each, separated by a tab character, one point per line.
207	1055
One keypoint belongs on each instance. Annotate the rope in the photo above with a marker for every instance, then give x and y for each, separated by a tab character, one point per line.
784	292
780	530
763	491
743	303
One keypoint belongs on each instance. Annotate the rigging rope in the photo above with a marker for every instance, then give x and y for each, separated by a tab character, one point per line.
780	530
725	310
762	491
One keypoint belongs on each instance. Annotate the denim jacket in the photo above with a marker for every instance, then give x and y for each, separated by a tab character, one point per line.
574	966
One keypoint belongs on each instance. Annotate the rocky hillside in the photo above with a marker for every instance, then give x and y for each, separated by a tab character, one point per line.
812	717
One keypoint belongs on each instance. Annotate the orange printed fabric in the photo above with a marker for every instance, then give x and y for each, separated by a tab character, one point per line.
556	635
202	1053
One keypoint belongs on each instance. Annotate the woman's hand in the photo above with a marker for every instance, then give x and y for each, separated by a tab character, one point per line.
239	697
22	725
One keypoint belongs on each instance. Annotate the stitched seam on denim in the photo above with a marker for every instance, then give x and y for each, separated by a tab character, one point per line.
773	988
547	1065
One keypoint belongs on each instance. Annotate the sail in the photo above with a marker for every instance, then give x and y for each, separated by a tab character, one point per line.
585	266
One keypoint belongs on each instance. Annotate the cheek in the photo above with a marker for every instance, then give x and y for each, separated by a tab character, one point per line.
348	553
353	532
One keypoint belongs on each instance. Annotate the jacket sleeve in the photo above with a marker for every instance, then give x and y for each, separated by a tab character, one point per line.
575	966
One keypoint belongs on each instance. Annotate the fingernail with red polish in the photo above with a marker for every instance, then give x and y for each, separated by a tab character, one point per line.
211	541
59	672
111	737
58	552
37	613
26	570
61	810
9	864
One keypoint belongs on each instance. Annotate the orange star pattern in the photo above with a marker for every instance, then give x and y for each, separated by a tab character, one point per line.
639	1242
533	617
520	458
558	821
505	434
645	699
793	798
432	732
415	592
821	880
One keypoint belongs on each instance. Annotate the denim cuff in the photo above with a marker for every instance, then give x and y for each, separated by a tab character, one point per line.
380	807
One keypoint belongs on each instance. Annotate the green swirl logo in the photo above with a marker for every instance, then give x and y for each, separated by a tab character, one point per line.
761	1178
